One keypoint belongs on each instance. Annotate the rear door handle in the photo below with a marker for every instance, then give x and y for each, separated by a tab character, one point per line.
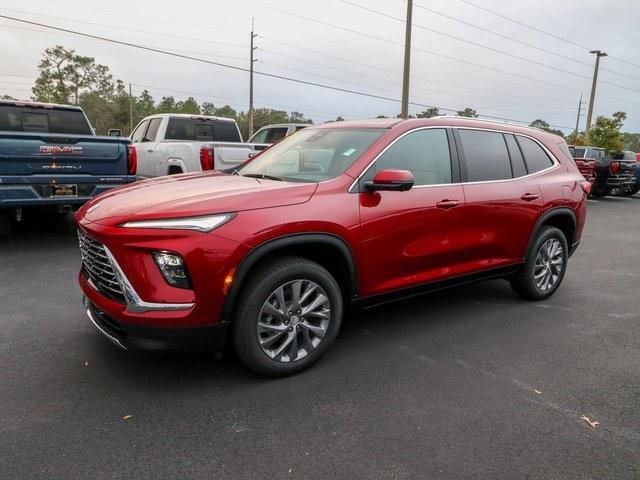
446	204
149	149
529	197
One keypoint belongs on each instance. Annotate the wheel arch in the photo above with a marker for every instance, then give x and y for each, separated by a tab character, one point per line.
326	249
562	218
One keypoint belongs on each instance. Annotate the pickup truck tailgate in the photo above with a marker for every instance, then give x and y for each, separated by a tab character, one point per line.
587	167
35	153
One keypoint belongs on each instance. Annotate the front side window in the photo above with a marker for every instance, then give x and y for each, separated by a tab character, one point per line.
312	155
138	133
270	135
425	153
534	155
485	155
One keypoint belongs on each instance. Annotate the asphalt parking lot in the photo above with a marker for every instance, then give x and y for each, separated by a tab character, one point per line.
466	383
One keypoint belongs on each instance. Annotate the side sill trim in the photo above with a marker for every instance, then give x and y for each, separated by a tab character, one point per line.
382	298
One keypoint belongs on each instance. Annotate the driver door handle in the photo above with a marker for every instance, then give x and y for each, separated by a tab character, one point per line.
529	197
150	150
446	204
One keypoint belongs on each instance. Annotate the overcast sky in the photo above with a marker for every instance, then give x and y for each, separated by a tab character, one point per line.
369	61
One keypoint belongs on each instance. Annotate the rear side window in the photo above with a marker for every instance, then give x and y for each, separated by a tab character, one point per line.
485	155
43	120
534	155
201	130
517	160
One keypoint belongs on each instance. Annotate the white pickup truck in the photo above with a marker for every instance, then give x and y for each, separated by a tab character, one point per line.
171	143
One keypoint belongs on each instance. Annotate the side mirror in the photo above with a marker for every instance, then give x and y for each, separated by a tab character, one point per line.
396	180
115	132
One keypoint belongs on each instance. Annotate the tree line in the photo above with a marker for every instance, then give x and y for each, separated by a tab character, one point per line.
69	78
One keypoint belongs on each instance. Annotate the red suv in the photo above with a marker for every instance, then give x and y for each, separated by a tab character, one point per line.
342	214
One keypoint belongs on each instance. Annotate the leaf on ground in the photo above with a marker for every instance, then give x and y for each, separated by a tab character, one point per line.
127	417
86	364
537	391
592	423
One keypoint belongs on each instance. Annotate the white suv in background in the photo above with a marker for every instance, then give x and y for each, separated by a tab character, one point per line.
277	131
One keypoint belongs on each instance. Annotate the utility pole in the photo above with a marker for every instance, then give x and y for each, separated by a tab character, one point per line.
579	113
598	54
130	111
407	62
251	62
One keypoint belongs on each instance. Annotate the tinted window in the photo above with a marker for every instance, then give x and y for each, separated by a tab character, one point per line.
270	135
425	153
579	152
152	131
567	150
534	155
138	133
486	155
301	127
226	132
517	161
202	130
45	120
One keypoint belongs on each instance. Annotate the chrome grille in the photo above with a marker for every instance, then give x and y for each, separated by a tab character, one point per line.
99	269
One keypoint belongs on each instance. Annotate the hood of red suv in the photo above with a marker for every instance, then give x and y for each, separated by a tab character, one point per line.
192	195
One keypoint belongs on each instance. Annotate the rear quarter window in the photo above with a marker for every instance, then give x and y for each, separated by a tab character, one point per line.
535	157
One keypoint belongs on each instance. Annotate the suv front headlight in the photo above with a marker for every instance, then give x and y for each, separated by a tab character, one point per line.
201	224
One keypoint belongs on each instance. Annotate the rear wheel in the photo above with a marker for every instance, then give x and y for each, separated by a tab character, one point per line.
545	267
631	191
287	316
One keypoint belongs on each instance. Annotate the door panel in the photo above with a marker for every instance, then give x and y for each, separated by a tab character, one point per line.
405	237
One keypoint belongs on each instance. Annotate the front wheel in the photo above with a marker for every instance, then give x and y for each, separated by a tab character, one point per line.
545	266
287	316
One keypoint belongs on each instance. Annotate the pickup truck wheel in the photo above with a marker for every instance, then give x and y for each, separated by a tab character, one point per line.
630	192
289	313
545	266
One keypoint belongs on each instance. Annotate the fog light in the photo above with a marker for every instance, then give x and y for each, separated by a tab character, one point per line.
173	269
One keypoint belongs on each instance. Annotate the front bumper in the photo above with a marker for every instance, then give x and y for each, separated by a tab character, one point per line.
129	337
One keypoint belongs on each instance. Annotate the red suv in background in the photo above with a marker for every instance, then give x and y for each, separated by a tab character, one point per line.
347	213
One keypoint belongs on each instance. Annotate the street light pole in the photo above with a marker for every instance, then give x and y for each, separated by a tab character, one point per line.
404	113
579	113
598	54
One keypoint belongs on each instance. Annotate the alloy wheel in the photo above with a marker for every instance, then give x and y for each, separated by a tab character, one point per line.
293	320
549	264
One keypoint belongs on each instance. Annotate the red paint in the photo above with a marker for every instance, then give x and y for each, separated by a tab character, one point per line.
398	239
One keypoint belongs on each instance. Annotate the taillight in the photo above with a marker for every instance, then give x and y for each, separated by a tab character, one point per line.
614	167
586	186
206	158
132	160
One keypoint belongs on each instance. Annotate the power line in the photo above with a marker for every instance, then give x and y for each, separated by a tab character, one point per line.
491	49
516	40
430	52
237	68
557	37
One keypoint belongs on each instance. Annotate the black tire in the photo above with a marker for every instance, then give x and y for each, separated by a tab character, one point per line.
632	191
257	289
524	283
598	193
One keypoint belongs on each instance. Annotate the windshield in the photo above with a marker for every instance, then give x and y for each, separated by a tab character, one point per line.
312	155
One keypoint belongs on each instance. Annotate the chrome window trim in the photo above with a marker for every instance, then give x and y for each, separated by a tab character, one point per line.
134	303
552	157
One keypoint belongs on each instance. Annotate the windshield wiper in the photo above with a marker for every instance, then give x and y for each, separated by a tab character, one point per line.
262	175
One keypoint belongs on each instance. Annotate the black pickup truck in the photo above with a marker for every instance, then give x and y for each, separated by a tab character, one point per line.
613	172
50	156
